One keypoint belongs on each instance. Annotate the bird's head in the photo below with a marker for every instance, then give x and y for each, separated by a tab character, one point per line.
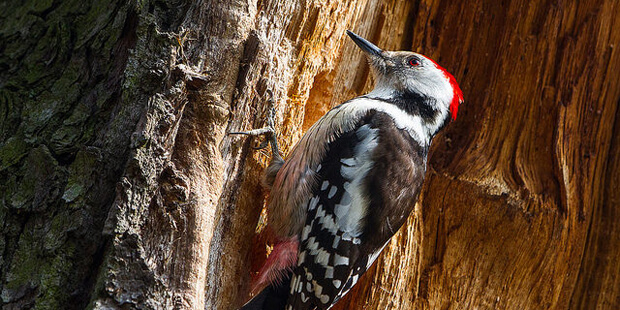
405	74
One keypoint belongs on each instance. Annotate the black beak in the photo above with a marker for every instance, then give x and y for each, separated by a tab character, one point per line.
366	46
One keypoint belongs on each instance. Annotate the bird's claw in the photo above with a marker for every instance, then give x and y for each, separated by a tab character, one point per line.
268	132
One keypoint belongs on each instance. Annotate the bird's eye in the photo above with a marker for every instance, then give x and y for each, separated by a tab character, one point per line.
414	62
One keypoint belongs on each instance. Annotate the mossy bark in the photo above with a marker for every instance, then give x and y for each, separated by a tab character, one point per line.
120	188
64	141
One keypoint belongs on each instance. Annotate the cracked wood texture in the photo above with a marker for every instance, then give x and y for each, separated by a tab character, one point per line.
120	189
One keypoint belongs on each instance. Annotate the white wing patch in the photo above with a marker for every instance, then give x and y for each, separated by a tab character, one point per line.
340	260
354	203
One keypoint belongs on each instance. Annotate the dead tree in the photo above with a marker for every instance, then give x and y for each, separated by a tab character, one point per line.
120	189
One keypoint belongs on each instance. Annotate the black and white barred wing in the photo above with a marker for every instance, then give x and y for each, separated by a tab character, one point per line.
368	184
330	260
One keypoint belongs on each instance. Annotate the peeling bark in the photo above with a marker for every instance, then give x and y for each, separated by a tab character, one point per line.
120	189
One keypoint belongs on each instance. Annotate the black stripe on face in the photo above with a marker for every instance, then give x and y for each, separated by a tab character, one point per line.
414	104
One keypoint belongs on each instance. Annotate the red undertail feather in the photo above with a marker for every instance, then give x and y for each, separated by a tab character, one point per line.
282	259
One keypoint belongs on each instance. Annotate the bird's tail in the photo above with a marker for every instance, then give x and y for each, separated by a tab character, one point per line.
273	297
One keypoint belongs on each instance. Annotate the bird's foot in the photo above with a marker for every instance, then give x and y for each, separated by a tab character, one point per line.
268	132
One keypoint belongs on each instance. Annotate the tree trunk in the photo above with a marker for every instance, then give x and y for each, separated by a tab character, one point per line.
120	189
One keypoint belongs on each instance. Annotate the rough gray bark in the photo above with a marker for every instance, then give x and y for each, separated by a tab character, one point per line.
65	122
110	161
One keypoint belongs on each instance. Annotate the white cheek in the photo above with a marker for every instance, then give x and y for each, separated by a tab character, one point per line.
381	91
434	87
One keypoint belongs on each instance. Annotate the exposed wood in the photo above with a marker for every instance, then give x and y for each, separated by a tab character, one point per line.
120	189
520	185
509	200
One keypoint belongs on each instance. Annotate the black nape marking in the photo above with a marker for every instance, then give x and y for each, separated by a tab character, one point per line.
414	104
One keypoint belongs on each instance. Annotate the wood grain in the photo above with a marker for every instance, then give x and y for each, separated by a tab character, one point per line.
518	198
121	190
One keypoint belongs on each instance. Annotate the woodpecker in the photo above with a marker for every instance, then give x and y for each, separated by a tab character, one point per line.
352	180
